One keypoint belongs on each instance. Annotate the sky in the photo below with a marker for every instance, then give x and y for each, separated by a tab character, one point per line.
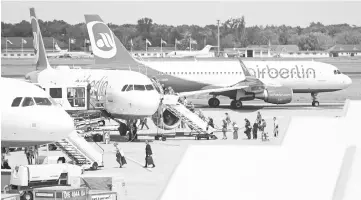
200	13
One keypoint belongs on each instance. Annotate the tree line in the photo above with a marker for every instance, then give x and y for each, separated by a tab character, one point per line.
233	33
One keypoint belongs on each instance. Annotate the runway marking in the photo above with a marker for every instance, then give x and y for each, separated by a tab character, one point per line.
133	160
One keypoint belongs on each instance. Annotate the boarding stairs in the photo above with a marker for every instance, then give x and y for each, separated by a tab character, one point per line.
193	121
81	152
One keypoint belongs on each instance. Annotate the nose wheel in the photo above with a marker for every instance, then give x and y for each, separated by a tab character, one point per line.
315	103
213	102
236	104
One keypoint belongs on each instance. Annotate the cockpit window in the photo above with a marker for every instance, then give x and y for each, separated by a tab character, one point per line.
149	87
337	72
124	87
16	102
130	88
42	101
139	87
28	101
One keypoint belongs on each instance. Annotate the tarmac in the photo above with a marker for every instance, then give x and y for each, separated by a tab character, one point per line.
148	183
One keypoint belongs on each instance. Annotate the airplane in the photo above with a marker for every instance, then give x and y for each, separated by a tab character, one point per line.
129	95
29	116
272	81
198	54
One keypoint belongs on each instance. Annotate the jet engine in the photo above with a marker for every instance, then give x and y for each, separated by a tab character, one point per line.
276	95
164	119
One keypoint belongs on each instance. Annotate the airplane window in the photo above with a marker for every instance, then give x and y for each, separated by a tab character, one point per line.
42	101
124	87
334	71
56	92
130	88
139	87
28	101
149	87
16	102
197	72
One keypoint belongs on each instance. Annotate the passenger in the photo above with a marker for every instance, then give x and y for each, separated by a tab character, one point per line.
28	153
275	127
224	129
191	107
170	90
255	129
36	154
259	118
247	128
235	131
135	130
118	155
148	155
228	119
210	122
5	164
107	137
185	102
262	129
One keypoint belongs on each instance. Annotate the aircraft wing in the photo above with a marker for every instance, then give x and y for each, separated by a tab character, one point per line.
223	89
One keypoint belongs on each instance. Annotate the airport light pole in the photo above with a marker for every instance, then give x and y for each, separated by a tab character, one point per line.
218	36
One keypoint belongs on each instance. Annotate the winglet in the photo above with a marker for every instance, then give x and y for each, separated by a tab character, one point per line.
105	45
38	43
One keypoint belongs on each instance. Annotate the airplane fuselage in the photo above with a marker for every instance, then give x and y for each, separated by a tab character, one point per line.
140	101
300	76
29	116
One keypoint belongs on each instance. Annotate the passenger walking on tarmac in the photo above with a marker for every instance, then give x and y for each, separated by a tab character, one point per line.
255	129
259	118
224	129
36	154
107	137
119	154
235	131
28	154
148	155
262	129
135	130
228	119
248	128
143	122
275	127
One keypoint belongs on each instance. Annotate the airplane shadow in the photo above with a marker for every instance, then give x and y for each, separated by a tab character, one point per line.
244	109
119	138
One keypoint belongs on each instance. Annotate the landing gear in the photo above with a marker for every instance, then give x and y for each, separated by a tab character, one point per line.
213	102
315	103
236	104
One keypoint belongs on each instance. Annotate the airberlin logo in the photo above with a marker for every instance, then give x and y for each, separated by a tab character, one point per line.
284	73
102	39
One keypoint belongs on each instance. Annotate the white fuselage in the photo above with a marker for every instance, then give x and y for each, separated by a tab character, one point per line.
120	102
301	76
29	116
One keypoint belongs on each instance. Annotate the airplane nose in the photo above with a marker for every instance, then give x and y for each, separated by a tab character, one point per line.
61	122
347	81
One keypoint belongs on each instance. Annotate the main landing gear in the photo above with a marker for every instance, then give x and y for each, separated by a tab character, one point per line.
236	104
315	103
213	102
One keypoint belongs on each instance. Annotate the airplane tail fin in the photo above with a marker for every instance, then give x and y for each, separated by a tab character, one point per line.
38	43
207	48
106	46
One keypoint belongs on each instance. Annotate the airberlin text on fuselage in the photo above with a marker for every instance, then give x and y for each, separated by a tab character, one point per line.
98	88
295	72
